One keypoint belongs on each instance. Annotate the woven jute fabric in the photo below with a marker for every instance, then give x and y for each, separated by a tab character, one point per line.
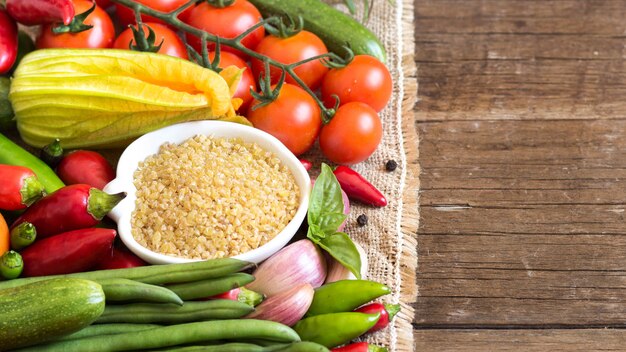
389	238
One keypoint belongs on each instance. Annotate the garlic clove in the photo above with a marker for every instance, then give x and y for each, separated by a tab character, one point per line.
336	271
298	263
286	307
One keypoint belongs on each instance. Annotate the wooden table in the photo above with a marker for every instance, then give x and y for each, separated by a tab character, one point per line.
522	125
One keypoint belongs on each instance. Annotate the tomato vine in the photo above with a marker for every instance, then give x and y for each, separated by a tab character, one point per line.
267	93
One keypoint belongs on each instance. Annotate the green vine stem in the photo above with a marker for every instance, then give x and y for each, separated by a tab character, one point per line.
171	18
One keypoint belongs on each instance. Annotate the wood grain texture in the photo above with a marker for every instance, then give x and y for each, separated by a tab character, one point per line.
523	172
520	340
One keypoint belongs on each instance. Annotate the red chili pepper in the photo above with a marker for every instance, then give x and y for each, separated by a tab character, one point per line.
69	208
231	295
19	187
387	312
84	166
69	252
120	259
307	164
359	347
8	42
357	187
34	12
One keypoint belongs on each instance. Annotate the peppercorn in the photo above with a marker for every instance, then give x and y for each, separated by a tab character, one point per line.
362	220
391	165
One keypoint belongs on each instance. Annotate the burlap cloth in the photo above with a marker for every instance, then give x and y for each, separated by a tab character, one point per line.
390	238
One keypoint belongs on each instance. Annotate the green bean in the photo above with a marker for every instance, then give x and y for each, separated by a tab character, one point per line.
210	287
124	290
143	313
107	329
153	274
248	347
304	346
176	335
229	347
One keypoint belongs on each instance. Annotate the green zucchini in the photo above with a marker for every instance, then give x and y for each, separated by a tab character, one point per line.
335	28
6	111
46	310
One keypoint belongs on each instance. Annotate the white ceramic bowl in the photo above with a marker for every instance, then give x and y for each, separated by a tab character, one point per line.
149	144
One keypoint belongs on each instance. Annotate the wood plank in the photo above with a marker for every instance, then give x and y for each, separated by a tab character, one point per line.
520	340
522	223
534	59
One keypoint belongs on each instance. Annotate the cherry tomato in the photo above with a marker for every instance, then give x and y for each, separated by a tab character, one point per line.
365	79
296	48
294	118
247	79
127	16
172	45
100	36
227	22
352	135
103	3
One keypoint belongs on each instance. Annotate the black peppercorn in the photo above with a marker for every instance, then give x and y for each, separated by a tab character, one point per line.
362	220
391	165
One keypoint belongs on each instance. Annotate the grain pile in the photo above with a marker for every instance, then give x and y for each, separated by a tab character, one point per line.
211	198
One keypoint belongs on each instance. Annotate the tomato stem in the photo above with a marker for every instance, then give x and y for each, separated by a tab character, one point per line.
202	59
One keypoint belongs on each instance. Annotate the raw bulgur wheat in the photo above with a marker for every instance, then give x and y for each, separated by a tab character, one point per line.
211	198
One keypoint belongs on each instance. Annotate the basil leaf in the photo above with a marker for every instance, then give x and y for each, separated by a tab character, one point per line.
325	196
330	222
341	247
314	233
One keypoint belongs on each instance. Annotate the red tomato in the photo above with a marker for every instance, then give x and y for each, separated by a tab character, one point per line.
172	45
299	47
352	135
100	36
103	3
294	118
127	16
365	79
247	80
227	22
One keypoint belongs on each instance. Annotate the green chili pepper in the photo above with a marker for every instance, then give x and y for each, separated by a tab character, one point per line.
13	154
11	265
345	296
335	329
23	235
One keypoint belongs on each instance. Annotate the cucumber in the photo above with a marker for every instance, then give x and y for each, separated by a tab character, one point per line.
335	28
45	310
6	111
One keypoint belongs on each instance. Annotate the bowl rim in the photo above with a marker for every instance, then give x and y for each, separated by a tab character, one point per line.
145	145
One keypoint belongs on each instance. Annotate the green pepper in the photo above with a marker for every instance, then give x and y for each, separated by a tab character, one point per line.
11	265
13	154
335	329
345	296
23	235
52	153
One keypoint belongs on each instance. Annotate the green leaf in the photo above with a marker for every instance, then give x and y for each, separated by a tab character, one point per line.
341	247
314	233
325	196
330	222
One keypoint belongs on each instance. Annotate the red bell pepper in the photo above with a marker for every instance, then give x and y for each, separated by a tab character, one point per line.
69	252
19	187
84	166
357	187
8	42
387	312
359	347
120	259
34	12
69	208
